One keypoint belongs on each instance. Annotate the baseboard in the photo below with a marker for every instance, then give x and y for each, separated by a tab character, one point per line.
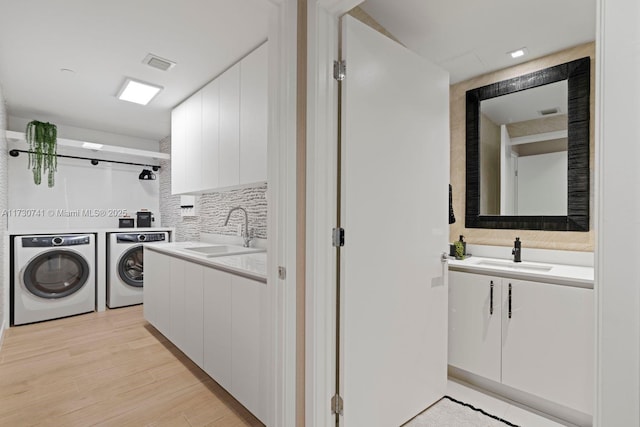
551	410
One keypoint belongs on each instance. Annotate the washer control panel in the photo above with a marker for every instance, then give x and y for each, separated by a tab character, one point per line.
50	241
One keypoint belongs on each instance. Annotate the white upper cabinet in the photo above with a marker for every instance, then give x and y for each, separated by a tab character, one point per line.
253	116
219	134
210	134
229	166
178	149
193	146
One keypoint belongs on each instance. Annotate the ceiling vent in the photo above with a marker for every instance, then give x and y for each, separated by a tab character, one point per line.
156	62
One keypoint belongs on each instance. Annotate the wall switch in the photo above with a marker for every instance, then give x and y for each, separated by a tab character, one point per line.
239	230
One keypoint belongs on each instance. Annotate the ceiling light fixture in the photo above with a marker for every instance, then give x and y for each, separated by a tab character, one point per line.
518	53
91	146
138	91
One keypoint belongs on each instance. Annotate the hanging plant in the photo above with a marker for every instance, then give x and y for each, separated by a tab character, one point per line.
42	140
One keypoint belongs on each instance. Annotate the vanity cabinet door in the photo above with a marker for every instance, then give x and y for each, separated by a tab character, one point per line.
548	342
474	323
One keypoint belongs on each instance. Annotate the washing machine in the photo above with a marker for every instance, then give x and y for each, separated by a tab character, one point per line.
53	276
125	266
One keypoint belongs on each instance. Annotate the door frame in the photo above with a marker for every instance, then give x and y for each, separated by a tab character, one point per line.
321	206
281	221
617	295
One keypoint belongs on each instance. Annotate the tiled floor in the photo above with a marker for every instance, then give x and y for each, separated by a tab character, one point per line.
497	407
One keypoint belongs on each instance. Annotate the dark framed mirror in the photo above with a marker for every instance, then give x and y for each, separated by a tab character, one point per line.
535	181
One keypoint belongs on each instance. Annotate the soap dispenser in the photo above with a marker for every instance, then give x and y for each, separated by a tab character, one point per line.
517	250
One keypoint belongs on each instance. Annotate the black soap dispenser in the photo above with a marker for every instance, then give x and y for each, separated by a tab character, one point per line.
517	250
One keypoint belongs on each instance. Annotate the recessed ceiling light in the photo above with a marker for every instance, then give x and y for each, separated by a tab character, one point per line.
518	53
138	92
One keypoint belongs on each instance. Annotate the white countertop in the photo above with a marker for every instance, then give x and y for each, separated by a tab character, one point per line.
250	265
572	275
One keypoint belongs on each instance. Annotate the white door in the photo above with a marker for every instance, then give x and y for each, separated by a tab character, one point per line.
394	192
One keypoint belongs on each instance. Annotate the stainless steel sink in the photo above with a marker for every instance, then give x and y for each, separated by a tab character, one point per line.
221	250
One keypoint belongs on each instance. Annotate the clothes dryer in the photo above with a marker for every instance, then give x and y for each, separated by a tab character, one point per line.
125	277
53	276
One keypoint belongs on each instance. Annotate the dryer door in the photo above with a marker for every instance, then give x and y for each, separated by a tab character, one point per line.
56	274
130	266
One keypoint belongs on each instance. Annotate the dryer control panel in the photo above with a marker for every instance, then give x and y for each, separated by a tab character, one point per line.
140	237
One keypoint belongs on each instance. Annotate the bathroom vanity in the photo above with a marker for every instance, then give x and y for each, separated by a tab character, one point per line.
525	331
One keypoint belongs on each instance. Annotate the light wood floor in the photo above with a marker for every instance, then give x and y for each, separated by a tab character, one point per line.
107	369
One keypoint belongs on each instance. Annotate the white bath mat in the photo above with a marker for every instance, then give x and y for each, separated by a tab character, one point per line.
449	412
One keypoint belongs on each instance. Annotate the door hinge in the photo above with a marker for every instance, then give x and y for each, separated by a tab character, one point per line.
337	405
339	70
338	237
282	273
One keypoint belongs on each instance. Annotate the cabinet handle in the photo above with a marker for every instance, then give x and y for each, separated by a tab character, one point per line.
509	300
491	299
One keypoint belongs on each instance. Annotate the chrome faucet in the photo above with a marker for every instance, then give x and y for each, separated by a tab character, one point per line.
245	233
517	250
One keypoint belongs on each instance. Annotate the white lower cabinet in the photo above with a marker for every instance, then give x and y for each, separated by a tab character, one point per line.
247	310
217	319
548	342
193	312
217	326
475	316
539	338
157	282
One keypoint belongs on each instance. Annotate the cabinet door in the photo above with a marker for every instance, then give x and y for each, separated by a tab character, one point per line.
548	342
229	162
177	303
475	323
193	312
193	162
210	135
246	319
217	326
178	148
253	116
156	290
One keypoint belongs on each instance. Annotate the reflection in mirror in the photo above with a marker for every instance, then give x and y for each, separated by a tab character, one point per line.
533	171
523	152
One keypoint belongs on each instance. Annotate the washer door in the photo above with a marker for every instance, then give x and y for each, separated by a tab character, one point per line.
130	266
56	274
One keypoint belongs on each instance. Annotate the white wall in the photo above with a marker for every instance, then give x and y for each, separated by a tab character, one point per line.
618	213
80	188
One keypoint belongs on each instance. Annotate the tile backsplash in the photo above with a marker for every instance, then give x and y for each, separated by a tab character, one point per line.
211	209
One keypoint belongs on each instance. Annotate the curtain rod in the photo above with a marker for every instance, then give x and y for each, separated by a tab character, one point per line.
16	153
